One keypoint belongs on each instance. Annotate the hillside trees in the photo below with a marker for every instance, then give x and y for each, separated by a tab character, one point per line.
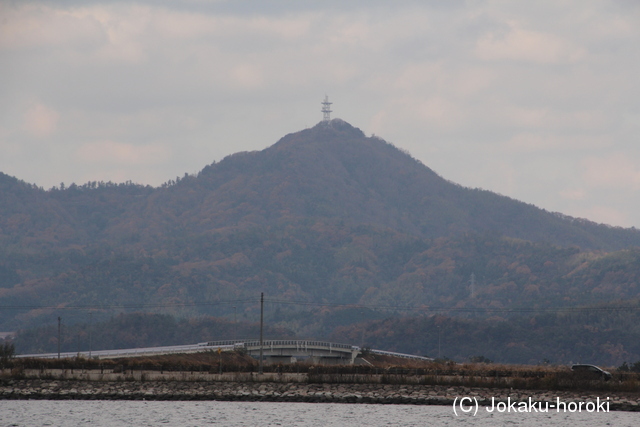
324	216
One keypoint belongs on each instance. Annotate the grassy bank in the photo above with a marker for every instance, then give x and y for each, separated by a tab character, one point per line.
234	366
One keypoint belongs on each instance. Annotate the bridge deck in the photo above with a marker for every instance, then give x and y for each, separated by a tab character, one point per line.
280	348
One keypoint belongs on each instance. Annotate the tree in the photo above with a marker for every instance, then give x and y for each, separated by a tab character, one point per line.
7	352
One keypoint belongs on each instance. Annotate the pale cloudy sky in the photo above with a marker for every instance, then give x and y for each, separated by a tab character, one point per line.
536	100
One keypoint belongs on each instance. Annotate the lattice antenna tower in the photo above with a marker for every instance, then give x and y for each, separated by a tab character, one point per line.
326	109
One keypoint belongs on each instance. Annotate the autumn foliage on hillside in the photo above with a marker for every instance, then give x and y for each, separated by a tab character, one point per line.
325	217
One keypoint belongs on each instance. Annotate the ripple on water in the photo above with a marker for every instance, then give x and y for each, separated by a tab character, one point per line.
154	413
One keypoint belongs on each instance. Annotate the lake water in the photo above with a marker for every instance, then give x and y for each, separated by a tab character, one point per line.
154	413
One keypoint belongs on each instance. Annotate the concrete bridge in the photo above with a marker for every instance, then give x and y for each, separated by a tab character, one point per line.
274	351
289	351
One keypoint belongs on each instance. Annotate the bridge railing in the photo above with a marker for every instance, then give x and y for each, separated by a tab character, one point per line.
300	344
227	345
130	352
403	355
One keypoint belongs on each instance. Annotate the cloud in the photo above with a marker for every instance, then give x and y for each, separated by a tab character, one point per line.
551	142
519	44
247	76
41	121
111	152
614	171
37	26
573	194
522	98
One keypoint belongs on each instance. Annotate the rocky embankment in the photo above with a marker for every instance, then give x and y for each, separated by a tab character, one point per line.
292	392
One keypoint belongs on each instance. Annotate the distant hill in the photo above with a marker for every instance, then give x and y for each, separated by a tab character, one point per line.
557	338
331	171
325	215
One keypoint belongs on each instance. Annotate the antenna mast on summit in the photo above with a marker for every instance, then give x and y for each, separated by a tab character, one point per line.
326	109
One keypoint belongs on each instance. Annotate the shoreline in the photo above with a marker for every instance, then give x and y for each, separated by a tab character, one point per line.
412	394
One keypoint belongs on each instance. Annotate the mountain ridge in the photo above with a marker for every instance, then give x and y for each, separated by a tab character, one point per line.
338	229
334	171
331	170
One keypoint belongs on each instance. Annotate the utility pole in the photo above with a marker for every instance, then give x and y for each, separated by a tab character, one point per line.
261	325
90	328
59	337
363	327
235	326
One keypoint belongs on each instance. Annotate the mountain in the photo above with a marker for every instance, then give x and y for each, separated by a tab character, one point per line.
325	216
333	171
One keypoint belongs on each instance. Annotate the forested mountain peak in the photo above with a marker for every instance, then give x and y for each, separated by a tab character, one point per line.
331	171
324	215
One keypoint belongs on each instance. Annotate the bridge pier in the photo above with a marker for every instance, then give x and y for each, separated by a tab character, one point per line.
291	351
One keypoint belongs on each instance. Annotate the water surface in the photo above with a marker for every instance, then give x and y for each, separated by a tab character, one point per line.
155	413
